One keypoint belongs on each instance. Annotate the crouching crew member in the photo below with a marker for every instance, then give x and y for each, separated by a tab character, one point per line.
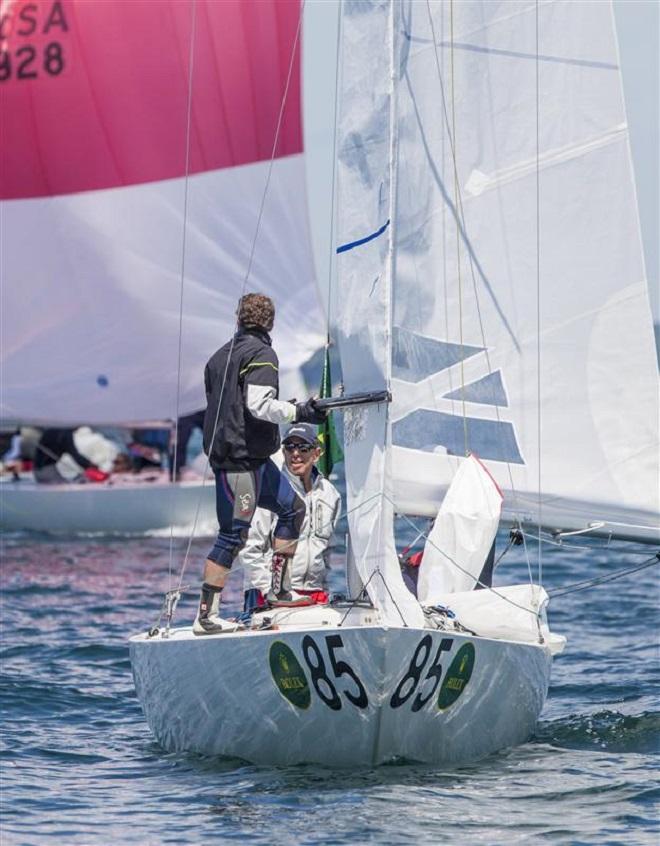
307	574
240	434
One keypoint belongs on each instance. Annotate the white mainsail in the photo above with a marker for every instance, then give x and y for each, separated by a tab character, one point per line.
537	358
553	385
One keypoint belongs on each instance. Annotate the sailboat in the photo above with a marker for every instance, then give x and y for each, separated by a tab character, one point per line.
490	280
124	504
128	212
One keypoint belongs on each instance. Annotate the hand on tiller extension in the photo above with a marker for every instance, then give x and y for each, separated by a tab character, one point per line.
306	412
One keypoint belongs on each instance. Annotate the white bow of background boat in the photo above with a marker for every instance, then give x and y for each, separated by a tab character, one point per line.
125	504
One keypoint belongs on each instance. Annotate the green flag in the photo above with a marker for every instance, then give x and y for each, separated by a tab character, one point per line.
332	452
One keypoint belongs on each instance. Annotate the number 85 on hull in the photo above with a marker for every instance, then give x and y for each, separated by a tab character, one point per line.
340	696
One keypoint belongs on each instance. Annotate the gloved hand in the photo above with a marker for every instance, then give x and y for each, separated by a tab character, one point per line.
306	412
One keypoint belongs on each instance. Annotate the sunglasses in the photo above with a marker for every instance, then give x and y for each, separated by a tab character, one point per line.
303	449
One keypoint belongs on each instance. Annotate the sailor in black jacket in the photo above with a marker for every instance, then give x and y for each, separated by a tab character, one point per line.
52	445
240	434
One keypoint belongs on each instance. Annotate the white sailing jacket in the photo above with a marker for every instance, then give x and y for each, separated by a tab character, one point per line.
310	563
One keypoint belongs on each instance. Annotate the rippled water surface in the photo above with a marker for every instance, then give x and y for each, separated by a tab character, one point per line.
80	767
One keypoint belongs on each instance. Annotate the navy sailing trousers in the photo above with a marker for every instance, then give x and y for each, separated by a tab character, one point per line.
237	495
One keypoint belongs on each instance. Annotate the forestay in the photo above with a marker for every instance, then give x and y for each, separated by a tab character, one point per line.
101	127
479	351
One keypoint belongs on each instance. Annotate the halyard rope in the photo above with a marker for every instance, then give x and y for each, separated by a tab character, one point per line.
458	233
191	57
538	294
334	168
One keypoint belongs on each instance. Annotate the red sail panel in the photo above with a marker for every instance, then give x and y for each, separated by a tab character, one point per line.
95	95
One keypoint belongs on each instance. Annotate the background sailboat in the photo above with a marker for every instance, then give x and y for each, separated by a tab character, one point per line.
133	164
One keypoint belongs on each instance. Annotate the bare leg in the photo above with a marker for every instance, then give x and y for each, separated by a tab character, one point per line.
215	574
285	546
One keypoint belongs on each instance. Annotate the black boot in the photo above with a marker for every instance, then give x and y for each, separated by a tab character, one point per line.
208	619
280	590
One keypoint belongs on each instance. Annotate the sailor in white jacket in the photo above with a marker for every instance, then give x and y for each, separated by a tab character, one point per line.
309	566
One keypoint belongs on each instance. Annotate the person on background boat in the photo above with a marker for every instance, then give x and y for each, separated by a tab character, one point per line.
180	438
29	439
240	434
51	465
148	447
10	453
21	447
322	500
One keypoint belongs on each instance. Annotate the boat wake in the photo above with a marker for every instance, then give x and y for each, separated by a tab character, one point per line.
605	729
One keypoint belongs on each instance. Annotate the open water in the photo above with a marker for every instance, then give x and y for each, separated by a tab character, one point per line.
79	766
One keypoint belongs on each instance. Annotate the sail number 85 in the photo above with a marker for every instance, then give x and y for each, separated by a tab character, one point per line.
413	675
323	685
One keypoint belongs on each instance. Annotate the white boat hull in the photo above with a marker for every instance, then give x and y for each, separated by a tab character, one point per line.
232	695
122	508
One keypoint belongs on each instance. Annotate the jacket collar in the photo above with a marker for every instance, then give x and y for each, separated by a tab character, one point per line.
317	477
257	333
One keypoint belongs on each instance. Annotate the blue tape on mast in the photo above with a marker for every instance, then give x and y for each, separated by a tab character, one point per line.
345	247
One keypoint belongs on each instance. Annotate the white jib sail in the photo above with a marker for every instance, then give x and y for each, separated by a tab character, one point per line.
462	534
554	386
363	297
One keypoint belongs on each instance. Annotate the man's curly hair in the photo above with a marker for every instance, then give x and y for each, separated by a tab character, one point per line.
256	311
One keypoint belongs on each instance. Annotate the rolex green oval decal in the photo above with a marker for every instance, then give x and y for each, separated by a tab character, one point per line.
288	675
457	677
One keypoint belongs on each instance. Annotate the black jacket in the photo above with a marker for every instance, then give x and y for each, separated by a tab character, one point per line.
241	442
52	446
